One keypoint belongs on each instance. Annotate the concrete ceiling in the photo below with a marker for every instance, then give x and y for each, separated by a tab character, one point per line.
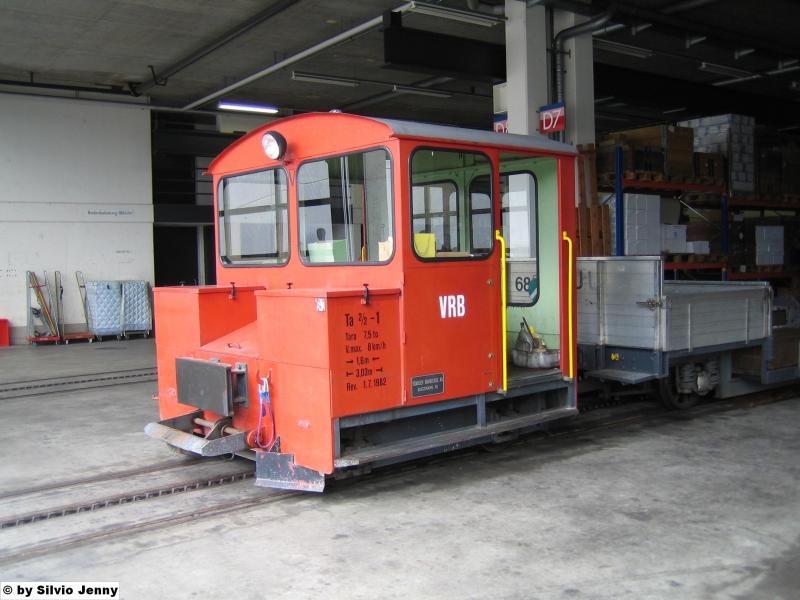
109	44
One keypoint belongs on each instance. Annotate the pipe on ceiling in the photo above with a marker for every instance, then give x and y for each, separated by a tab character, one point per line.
730	38
63	87
566	34
686	5
303	54
667	19
667	10
228	36
497	10
127	103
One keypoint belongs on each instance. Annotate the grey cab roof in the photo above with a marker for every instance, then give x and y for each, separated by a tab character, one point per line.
462	134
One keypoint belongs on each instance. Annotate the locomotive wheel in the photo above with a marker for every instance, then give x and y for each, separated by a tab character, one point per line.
669	396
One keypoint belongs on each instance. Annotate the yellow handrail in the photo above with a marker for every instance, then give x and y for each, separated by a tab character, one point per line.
567	239
499	237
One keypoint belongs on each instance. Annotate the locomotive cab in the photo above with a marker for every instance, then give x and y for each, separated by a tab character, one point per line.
388	290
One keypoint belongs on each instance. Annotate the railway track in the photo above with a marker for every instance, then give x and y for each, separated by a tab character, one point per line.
620	415
64	543
237	471
125	498
68	383
101	477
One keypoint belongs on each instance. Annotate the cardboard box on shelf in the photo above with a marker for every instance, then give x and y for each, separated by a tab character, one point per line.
606	154
642	223
769	245
733	136
670	211
673	239
699	247
709	164
675	143
700	230
790	166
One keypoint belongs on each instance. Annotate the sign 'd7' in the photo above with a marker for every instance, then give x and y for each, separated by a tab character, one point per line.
552	118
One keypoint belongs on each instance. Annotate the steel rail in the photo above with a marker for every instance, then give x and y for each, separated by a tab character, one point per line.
48	547
18	389
162	466
124	498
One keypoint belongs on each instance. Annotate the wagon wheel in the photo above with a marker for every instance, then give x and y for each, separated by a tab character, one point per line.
668	394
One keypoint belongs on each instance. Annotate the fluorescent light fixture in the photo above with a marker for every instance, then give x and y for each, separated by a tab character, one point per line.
609	117
625	49
737	80
455	14
693	40
723	70
329	79
787	67
395	87
674	110
407	89
247	108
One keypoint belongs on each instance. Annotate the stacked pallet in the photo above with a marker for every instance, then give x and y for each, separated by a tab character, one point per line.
790	169
594	227
709	168
660	153
769	164
733	136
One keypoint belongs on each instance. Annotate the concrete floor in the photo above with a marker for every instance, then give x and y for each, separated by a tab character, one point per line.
25	363
679	507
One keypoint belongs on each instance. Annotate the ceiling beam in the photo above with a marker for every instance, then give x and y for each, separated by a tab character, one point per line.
344	36
666	20
683	25
160	77
636	88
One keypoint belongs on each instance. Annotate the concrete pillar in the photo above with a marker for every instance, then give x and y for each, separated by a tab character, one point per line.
578	81
527	71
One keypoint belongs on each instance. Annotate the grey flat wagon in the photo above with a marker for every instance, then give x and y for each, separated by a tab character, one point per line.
691	338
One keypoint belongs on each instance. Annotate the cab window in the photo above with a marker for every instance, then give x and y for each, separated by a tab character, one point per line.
435	209
518	210
345	209
253	218
443	204
519	206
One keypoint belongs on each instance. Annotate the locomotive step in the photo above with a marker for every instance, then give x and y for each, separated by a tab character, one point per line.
449	440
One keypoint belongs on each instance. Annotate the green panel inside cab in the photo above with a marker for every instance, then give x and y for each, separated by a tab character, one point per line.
544	315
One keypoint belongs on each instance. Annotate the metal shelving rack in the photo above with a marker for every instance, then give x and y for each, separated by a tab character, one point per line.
622	185
726	203
757	203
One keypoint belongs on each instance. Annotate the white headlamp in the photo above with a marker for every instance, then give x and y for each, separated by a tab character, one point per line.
274	145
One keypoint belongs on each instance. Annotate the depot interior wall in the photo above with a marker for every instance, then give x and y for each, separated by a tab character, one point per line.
77	196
